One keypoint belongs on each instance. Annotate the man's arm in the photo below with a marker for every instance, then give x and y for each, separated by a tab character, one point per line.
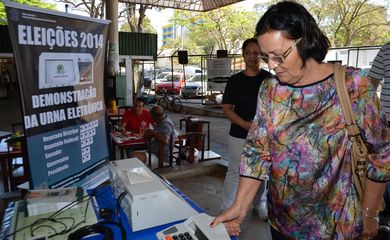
228	109
160	138
123	125
377	70
375	82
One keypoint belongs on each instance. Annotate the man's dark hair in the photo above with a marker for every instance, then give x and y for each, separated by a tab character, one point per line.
296	22
246	43
140	99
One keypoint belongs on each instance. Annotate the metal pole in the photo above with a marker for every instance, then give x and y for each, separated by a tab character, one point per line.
172	69
172	73
181	36
357	57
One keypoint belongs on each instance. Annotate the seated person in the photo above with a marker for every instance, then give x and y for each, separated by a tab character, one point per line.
136	118
161	137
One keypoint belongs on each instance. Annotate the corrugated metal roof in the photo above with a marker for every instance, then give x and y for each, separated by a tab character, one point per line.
138	44
192	5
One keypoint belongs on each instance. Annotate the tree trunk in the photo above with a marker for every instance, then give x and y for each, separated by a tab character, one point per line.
142	15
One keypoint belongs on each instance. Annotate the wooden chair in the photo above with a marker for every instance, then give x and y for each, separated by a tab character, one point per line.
195	125
191	124
181	142
188	142
17	161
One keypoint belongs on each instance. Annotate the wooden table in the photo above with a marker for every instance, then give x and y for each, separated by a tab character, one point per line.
126	141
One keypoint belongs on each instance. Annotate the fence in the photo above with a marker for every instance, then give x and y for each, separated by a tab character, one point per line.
361	57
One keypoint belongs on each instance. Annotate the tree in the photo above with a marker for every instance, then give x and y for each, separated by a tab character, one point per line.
94	8
350	22
134	14
223	28
35	3
146	26
137	20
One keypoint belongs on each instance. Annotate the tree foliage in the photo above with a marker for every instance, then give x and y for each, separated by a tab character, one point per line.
135	18
35	3
223	28
146	26
133	14
350	22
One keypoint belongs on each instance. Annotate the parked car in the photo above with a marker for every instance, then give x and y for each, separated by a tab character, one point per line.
194	88
165	86
148	77
159	78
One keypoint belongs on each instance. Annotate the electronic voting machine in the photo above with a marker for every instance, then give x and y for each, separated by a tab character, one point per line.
149	201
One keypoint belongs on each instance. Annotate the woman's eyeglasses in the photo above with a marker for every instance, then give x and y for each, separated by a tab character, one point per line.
280	58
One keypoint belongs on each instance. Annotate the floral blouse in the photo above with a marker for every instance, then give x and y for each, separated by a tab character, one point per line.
298	139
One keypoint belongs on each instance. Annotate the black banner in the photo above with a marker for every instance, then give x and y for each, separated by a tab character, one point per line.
60	63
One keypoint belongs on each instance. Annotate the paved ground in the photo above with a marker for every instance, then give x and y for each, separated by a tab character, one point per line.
206	189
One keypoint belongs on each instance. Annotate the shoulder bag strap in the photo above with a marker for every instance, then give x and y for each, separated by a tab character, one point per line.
345	100
359	150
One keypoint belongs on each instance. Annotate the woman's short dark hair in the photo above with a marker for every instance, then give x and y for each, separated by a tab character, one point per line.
296	22
246	43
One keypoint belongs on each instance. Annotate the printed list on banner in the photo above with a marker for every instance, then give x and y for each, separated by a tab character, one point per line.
56	160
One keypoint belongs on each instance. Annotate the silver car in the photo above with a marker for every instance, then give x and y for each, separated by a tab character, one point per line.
194	87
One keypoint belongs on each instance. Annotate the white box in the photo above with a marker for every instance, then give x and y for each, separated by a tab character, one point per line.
149	201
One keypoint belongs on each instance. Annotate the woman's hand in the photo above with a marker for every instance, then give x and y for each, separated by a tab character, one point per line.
371	203
370	224
232	228
231	218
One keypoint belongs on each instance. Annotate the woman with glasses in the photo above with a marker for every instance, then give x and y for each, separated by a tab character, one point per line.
298	138
239	106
